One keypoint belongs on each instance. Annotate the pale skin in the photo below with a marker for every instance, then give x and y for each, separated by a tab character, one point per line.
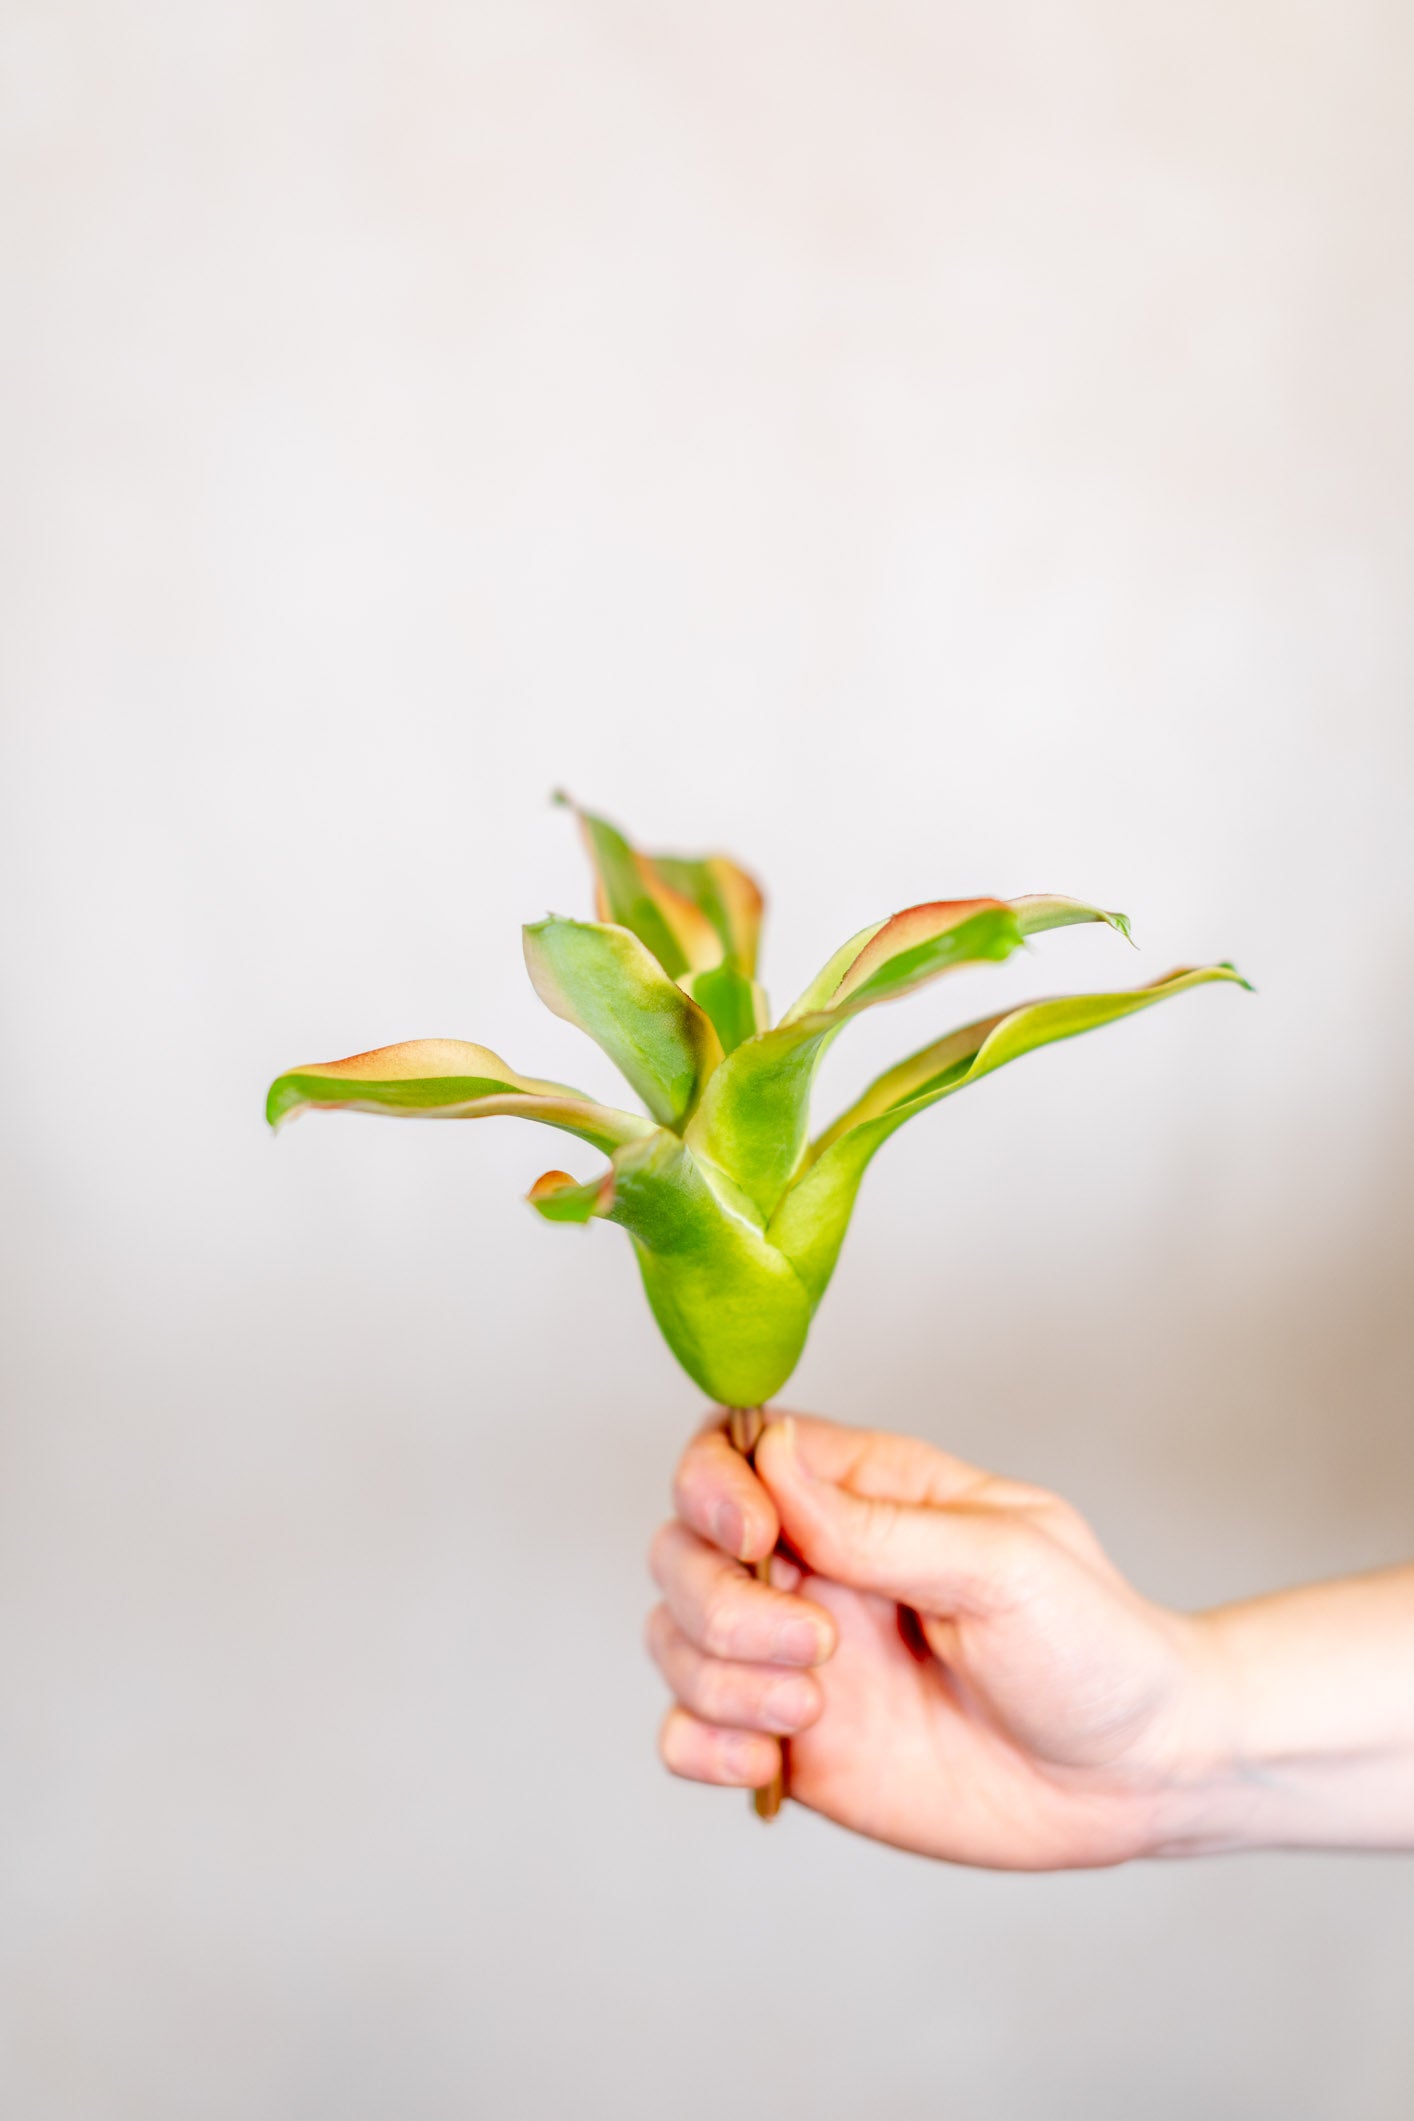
960	1671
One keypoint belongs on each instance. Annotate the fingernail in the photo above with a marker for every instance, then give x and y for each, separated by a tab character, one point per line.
788	1442
729	1528
799	1642
787	1704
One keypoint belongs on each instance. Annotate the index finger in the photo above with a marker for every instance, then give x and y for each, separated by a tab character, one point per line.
891	1468
716	1492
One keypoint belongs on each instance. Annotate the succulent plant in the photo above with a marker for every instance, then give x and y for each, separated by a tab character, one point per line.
736	1214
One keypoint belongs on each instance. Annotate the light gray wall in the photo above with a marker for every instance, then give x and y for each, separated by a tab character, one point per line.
928	450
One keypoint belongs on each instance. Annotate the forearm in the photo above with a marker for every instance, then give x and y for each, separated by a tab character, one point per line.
1304	1732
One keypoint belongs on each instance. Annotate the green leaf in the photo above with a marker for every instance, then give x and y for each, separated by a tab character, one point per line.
827	979
754	1113
1043	910
917	945
562	1199
891	957
730	1306
729	898
446	1078
630	892
736	1004
810	1223
604	979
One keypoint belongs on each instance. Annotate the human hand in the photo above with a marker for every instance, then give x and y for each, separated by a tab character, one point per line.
957	1666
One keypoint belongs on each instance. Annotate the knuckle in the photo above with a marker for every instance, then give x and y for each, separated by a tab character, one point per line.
721	1621
713	1691
719	1625
1068	1524
1026	1495
878	1530
1012	1562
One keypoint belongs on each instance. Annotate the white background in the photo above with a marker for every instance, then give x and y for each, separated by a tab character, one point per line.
923	450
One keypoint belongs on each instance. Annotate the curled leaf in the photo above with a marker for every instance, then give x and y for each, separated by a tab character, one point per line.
729	898
603	979
810	1222
754	1113
729	1304
629	891
445	1078
692	912
736	1004
1044	910
562	1199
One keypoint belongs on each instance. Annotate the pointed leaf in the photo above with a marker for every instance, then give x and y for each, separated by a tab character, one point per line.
923	941
725	893
810	1223
827	979
446	1078
849	966
755	1110
1044	910
630	891
606	981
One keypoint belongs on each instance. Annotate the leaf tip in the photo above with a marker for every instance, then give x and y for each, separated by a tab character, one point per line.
562	1199
549	1182
282	1102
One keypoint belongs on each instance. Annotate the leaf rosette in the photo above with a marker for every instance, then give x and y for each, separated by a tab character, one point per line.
735	1212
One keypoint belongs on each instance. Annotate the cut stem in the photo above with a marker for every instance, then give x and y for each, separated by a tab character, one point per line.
744	1427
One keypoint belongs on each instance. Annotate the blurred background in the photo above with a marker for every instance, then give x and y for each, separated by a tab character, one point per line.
923	450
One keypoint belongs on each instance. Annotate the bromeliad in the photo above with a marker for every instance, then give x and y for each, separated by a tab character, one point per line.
736	1214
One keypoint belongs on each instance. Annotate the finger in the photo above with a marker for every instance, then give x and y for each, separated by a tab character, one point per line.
746	1697
876	1462
727	1613
700	1752
716	1492
962	1557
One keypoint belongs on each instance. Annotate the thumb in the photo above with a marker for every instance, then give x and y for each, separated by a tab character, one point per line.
940	1558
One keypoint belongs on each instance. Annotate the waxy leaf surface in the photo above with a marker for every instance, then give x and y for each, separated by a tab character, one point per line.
754	1114
736	1224
604	979
728	897
630	892
729	1304
736	1004
446	1078
1043	910
810	1223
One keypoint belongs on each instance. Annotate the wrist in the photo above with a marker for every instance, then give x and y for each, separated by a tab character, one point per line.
1296	1728
1212	1798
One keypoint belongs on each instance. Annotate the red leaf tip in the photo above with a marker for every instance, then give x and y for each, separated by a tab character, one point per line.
550	1182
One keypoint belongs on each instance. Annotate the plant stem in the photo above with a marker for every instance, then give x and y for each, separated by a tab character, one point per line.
744	1427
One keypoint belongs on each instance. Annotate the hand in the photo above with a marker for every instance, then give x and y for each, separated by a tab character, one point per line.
958	1667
